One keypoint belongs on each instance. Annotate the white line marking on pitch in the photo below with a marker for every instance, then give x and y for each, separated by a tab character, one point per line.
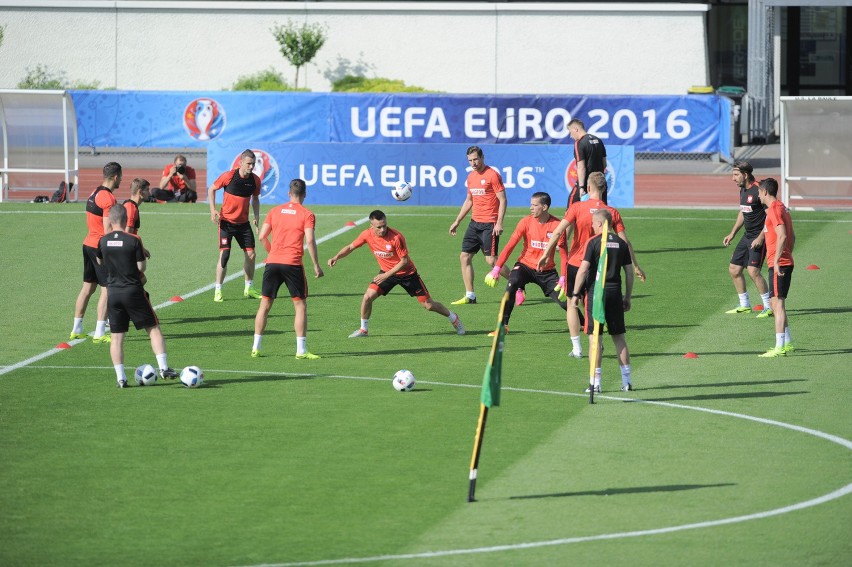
562	541
51	352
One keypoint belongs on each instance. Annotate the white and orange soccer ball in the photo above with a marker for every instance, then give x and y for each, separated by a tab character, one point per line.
401	191
403	381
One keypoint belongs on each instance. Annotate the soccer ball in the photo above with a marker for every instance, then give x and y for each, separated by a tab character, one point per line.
145	375
401	191
191	377
403	381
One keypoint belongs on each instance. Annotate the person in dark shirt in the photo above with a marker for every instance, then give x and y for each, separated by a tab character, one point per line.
589	157
123	256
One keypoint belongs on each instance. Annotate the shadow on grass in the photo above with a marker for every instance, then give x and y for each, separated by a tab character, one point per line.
399	351
688	249
731	396
181	320
216	382
616	491
818	311
726	384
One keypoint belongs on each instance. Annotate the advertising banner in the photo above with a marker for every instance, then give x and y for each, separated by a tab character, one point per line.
681	124
363	174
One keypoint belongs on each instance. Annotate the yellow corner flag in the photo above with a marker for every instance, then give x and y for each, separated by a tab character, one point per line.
598	313
492	378
491	383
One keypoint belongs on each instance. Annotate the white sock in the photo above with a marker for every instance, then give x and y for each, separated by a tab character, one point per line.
301	345
576	346
470	295
248	283
218	287
744	302
77	329
100	329
625	375
453	317
765	298
257	339
598	377
364	323
119	373
787	339
779	340
163	361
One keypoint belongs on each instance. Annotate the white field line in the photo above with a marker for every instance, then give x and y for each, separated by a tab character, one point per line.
51	352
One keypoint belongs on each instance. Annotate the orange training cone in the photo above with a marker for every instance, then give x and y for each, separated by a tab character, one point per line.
176	299
350	223
690	355
813	267
63	345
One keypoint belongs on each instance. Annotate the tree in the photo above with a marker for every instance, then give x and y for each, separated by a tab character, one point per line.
299	44
2	33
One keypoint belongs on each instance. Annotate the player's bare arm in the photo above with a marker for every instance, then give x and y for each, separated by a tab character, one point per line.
311	244
344	252
501	212
465	208
628	287
551	244
255	205
211	200
737	226
781	236
403	262
636	269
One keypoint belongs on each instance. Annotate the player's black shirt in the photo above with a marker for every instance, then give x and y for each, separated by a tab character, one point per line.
120	251
590	149
617	256
754	215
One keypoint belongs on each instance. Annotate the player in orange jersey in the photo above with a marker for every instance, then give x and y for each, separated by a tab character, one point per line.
95	275
139	193
395	269
291	226
241	188
780	240
578	218
487	197
535	230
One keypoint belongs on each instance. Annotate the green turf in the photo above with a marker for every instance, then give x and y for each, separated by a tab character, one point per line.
276	460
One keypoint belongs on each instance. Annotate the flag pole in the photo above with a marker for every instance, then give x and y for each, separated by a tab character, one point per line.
598	314
490	396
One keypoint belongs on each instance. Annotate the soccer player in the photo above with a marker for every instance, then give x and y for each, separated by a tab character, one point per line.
487	197
291	226
94	275
615	304
123	258
578	218
535	231
241	187
395	268
589	157
749	252
780	240
139	192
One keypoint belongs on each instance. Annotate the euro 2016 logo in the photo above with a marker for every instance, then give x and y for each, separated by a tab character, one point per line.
571	179
204	119
266	168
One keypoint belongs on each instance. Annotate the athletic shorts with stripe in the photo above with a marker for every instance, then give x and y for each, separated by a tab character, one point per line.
276	275
242	233
613	311
779	286
746	256
410	283
92	271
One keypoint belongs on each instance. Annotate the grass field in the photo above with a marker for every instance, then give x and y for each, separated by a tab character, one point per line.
723	459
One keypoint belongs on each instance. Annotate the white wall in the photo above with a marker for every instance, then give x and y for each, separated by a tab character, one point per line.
541	48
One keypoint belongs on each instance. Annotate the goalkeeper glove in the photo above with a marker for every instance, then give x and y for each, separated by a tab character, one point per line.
493	276
561	287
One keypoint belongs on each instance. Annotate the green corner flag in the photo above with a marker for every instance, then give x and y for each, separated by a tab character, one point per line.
600	279
492	378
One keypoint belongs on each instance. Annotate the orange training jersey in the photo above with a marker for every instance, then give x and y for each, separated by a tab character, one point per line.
134	223
777	214
483	188
581	215
535	235
289	223
237	195
388	250
97	207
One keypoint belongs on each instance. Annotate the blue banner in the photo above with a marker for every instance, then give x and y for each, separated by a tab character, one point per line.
363	174
682	124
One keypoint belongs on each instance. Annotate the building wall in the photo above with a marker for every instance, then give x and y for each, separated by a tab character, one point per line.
489	48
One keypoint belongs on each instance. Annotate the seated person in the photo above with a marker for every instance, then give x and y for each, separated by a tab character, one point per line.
178	183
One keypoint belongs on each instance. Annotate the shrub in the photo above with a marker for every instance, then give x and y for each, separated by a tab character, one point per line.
42	78
352	84
266	80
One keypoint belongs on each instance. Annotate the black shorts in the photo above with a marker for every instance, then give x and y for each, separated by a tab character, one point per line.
779	286
613	312
746	256
572	278
276	275
480	236
521	275
92	271
125	304
242	233
410	283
